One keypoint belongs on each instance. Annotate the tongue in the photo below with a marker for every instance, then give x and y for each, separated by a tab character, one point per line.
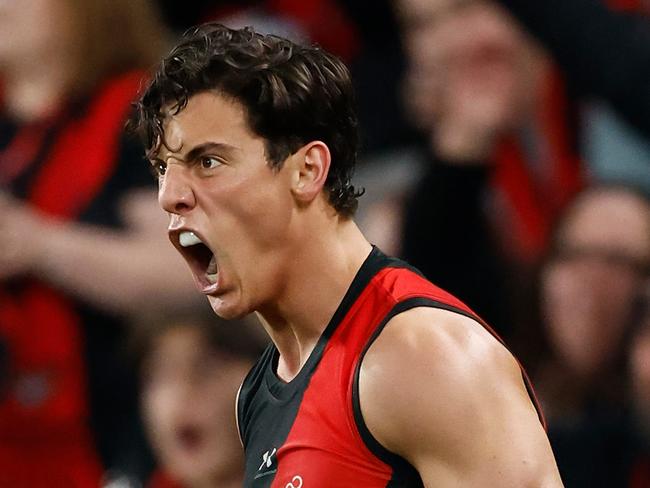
211	271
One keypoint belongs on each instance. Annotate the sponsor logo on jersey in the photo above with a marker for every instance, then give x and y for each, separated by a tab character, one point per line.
268	465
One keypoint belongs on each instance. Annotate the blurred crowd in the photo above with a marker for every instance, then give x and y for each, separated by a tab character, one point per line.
505	153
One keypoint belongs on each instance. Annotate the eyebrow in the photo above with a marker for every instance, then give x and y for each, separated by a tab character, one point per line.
197	151
221	147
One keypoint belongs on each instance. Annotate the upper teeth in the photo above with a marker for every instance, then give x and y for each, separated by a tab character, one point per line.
188	239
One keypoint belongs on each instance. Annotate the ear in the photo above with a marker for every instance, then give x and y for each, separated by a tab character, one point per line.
311	167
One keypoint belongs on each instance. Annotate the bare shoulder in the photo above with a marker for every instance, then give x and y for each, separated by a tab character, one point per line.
434	355
438	389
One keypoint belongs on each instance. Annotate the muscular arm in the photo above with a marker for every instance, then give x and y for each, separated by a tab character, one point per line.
440	391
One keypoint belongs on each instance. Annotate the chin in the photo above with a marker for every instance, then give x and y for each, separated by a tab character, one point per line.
194	475
227	310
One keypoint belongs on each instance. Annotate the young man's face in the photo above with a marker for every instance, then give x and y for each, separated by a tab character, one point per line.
218	187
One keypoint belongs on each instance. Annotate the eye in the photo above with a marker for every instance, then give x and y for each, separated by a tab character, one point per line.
158	168
209	162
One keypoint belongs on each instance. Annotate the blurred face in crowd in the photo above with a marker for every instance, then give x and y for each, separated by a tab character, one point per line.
33	30
469	64
590	285
188	397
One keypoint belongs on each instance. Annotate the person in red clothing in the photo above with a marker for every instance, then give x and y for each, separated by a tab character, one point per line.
497	152
191	366
375	377
80	241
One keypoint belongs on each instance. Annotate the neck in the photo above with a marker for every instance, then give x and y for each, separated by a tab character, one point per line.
322	268
32	92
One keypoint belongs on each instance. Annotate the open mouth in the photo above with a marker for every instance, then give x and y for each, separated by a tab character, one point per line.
201	259
189	437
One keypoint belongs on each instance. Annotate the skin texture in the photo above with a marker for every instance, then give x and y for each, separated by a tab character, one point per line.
284	252
462	416
187	396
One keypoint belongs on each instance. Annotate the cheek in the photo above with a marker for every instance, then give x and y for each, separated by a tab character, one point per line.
210	400
214	411
256	213
426	48
585	313
619	293
220	395
158	408
567	315
560	290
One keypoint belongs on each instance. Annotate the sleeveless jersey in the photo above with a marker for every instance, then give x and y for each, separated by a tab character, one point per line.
309	432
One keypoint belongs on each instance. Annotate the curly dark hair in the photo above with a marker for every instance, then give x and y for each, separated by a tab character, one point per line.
291	93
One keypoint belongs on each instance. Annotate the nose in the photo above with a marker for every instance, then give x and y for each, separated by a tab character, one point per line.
175	194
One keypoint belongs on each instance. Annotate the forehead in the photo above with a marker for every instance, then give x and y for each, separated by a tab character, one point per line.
179	341
208	116
611	219
418	11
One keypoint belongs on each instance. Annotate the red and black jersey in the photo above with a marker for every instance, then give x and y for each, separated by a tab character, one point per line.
310	432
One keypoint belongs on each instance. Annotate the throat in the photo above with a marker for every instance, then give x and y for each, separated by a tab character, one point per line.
290	364
294	342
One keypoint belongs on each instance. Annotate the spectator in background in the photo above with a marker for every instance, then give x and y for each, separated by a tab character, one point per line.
589	285
497	167
81	240
603	52
603	48
472	76
191	368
